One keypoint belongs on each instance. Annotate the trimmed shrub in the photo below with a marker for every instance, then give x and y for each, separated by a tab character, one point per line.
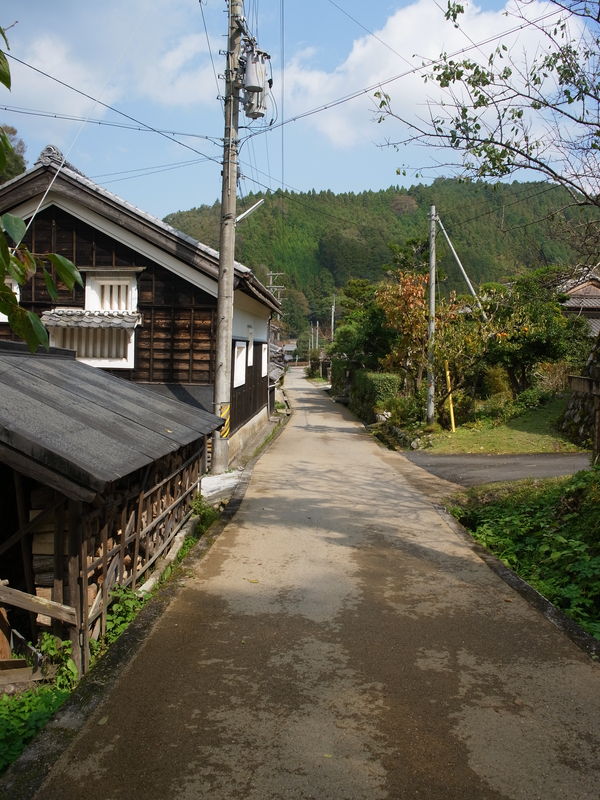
371	391
406	409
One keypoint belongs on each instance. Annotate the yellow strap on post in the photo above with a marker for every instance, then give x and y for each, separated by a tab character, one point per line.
225	413
450	403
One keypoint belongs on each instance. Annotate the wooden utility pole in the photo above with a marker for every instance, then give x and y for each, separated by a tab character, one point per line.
431	320
222	398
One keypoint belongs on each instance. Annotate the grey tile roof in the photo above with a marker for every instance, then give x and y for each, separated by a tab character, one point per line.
80	318
579	301
51	156
84	424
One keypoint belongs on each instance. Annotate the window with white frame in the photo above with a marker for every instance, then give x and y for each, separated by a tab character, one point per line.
250	346
239	364
110	292
265	360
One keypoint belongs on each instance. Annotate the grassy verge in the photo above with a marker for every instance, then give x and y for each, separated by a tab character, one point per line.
548	532
532	432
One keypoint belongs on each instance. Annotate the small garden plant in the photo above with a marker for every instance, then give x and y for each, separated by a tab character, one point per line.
548	532
23	715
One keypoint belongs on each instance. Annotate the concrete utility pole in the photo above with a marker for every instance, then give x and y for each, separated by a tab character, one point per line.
431	320
333	319
222	399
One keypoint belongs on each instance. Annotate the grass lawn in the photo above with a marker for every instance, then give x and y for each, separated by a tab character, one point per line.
533	432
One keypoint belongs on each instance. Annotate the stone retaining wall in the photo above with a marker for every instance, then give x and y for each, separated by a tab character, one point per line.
579	419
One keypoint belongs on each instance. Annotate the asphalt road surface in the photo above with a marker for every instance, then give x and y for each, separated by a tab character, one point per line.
341	641
471	470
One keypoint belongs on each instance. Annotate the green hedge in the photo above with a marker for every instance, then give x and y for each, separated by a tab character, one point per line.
370	390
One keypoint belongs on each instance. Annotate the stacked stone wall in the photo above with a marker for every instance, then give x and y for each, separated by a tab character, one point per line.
579	419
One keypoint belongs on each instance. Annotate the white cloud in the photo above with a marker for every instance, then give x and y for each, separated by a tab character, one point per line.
417	33
180	76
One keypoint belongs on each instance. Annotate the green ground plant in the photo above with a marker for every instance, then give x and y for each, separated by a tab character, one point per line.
548	532
22	715
205	513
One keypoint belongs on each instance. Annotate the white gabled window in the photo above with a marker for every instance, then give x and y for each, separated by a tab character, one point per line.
239	364
100	347
103	333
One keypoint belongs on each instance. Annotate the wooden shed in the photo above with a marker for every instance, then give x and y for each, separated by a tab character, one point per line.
96	477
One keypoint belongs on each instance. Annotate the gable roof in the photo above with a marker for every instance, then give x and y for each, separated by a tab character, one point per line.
80	429
52	174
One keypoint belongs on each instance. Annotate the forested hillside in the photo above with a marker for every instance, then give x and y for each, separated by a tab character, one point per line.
321	239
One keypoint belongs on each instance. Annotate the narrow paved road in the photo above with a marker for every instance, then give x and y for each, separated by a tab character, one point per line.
341	642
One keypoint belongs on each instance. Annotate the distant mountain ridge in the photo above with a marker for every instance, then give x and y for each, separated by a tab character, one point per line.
321	239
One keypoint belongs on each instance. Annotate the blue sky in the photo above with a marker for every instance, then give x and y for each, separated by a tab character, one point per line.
152	61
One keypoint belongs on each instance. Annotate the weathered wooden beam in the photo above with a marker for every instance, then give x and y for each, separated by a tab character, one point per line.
27	466
37	605
24	673
75	572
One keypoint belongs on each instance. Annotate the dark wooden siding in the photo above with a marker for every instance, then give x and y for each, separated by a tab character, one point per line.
175	343
249	399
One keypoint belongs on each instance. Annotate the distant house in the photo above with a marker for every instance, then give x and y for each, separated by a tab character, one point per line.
584	300
147	312
96	478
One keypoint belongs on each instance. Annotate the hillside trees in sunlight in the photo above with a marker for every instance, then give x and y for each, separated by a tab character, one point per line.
319	240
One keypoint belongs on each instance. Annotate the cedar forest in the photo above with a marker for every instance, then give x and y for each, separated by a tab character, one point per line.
320	240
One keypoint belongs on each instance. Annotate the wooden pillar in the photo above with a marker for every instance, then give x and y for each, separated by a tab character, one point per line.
26	557
74	569
58	588
596	450
4	632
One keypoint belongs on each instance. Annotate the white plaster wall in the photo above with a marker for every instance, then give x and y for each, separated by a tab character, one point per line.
247	311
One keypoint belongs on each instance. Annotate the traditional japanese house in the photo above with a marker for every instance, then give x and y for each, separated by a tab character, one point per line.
96	477
583	300
147	311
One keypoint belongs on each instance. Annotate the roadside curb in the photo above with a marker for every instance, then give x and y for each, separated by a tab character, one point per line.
583	640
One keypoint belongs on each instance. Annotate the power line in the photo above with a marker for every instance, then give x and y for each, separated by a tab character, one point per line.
504	205
144	172
374	35
32	112
112	108
212	61
354	95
